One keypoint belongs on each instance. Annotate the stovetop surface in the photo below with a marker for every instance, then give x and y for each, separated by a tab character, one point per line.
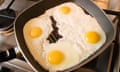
102	63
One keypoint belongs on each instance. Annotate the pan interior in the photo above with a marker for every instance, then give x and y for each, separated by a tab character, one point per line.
40	7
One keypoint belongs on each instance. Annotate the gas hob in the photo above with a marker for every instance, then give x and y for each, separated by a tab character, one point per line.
106	62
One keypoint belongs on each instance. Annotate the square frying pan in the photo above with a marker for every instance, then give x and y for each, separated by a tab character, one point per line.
40	7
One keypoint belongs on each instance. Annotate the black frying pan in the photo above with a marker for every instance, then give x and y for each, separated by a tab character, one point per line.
40	7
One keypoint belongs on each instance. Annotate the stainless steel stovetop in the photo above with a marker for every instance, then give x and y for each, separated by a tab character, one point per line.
102	63
7	39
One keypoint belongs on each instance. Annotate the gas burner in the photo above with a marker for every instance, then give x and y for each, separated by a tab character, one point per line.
7	17
6	20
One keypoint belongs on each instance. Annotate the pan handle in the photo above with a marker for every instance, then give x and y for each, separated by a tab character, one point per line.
8	54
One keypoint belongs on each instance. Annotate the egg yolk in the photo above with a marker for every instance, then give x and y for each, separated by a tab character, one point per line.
35	32
55	57
92	37
65	10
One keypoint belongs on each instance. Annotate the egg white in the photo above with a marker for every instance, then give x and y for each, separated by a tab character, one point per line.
71	19
70	51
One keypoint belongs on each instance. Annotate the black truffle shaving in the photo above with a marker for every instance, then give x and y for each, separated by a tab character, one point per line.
54	35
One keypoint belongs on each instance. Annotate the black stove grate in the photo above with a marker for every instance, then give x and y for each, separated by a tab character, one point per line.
7	17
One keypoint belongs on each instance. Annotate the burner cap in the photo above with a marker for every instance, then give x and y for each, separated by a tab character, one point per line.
7	17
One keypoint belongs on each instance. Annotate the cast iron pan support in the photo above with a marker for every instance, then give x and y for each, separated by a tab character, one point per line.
116	50
7	55
7	14
7	17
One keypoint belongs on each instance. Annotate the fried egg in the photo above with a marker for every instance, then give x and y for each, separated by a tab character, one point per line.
35	32
62	55
38	28
68	13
